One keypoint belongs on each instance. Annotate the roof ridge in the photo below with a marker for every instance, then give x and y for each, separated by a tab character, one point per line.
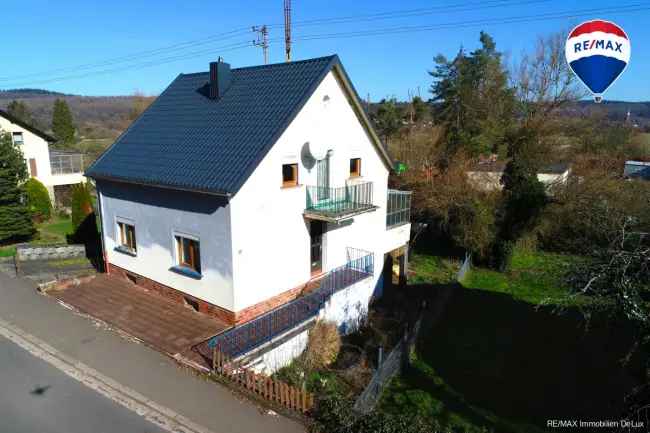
277	64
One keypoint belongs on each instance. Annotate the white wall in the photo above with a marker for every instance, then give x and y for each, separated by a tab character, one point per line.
491	180
37	148
157	214
270	235
33	147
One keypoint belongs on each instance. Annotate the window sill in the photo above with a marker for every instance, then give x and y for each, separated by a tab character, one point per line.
185	271
125	250
290	186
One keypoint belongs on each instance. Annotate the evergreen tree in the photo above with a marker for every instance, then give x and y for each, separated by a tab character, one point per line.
62	122
524	196
388	119
19	110
473	99
38	199
15	218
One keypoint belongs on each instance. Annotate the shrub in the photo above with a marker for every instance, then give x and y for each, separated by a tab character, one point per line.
334	415
323	346
38	200
82	204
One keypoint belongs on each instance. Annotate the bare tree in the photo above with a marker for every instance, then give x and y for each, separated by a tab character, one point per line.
543	80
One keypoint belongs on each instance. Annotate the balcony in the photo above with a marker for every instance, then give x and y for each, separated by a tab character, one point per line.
247	337
337	204
63	162
398	209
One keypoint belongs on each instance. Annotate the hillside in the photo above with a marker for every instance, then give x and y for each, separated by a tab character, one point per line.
95	116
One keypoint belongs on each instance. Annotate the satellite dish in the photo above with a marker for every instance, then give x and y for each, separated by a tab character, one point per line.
318	149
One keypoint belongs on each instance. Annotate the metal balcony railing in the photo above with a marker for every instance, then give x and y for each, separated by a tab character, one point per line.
244	338
398	209
66	163
334	204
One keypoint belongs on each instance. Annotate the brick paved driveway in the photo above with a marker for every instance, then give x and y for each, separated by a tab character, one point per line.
169	327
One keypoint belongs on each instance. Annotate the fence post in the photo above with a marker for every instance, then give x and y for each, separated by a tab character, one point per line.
380	357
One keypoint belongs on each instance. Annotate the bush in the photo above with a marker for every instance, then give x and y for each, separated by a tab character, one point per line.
323	346
334	414
82	204
38	200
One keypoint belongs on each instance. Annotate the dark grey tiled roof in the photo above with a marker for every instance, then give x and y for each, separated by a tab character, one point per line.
187	141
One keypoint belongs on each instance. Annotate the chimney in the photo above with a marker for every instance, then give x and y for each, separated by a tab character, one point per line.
220	78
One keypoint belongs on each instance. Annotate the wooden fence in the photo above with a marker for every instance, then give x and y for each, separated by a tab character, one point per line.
266	387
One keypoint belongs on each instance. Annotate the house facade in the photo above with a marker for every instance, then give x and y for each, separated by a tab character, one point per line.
486	175
56	169
240	191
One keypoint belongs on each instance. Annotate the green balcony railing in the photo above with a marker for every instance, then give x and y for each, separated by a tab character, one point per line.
338	203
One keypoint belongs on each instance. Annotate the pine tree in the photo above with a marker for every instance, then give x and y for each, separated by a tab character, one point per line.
62	122
15	218
473	99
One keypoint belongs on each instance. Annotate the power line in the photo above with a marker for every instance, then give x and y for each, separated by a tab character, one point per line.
241	31
371	32
136	56
461	7
509	20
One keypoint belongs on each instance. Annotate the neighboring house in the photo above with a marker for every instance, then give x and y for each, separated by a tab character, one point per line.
637	170
56	169
487	175
239	190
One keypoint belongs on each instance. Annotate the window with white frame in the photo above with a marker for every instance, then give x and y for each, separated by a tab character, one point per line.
127	236
18	138
188	253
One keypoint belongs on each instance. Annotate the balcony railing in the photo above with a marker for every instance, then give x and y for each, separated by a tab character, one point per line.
244	338
335	204
398	209
66	163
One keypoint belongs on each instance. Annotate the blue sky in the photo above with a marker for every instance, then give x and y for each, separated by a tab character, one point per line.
43	41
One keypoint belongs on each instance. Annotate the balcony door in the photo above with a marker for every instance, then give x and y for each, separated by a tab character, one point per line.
316	230
323	178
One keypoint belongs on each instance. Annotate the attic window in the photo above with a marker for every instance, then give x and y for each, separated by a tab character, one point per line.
289	175
18	138
355	167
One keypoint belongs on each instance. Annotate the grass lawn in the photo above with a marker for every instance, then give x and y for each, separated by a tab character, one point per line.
501	360
56	227
53	231
8	251
432	269
535	277
502	364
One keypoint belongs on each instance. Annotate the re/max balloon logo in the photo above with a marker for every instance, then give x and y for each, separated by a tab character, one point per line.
598	44
598	52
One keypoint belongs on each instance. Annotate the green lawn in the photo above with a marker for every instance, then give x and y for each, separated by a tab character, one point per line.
535	277
505	365
8	251
432	269
501	360
53	231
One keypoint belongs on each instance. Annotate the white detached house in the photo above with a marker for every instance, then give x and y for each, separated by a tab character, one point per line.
243	192
56	169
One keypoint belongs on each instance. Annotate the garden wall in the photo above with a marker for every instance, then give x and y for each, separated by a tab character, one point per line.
49	252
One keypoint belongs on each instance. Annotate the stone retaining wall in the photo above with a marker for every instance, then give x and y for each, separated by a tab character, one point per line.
49	252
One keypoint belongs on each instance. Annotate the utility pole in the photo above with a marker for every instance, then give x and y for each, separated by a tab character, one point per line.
287	29
262	40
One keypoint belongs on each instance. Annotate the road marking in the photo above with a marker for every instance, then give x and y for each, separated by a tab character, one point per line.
161	416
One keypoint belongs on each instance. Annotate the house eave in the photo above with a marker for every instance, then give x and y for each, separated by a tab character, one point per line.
158	185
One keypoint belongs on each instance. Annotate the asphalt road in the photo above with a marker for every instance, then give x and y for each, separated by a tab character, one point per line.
36	397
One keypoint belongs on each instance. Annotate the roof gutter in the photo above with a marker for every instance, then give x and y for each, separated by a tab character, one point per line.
175	188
